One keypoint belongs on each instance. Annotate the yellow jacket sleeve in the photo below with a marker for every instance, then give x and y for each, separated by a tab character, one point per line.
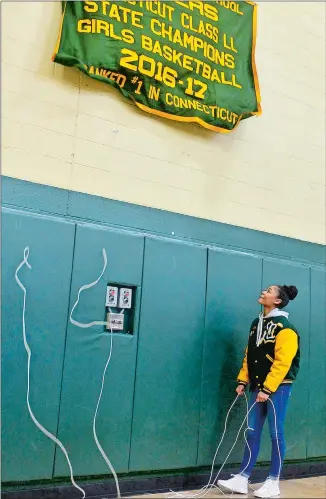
286	346
243	375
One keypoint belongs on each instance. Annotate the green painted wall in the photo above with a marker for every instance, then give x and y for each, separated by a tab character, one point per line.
169	386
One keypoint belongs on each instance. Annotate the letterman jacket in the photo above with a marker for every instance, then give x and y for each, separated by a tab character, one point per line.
272	356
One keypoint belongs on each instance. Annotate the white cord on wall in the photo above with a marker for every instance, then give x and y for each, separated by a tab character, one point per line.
29	355
90	324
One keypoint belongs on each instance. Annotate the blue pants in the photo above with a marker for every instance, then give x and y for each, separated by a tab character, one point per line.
257	418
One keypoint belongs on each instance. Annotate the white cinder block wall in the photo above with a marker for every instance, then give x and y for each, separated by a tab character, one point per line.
65	130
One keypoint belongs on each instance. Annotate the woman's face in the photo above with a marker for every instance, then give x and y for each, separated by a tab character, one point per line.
269	298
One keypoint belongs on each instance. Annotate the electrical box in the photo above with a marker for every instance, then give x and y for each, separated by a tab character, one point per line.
115	321
120	307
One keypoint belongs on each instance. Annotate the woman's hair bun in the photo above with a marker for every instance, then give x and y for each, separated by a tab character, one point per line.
291	291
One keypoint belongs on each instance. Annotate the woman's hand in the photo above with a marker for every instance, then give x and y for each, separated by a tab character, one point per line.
262	397
240	389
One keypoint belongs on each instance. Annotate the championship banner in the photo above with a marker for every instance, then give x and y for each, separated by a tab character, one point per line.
182	60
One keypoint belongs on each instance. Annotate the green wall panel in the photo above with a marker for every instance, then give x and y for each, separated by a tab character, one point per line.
233	287
87	351
278	272
169	364
317	378
27	454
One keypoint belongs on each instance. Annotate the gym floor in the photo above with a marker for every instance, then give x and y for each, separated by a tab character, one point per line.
303	488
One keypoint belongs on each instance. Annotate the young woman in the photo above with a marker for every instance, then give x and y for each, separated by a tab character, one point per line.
270	365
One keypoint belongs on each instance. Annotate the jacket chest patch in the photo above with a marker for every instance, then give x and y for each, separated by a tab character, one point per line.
269	333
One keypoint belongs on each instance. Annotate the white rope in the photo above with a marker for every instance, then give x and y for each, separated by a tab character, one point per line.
235	441
90	324
29	355
222	438
105	457
83	288
208	485
206	488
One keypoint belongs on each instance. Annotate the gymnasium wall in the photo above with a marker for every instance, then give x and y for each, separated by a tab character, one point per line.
198	222
169	385
65	130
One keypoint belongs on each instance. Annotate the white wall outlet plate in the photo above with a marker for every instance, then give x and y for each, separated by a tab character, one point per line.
125	298
111	296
